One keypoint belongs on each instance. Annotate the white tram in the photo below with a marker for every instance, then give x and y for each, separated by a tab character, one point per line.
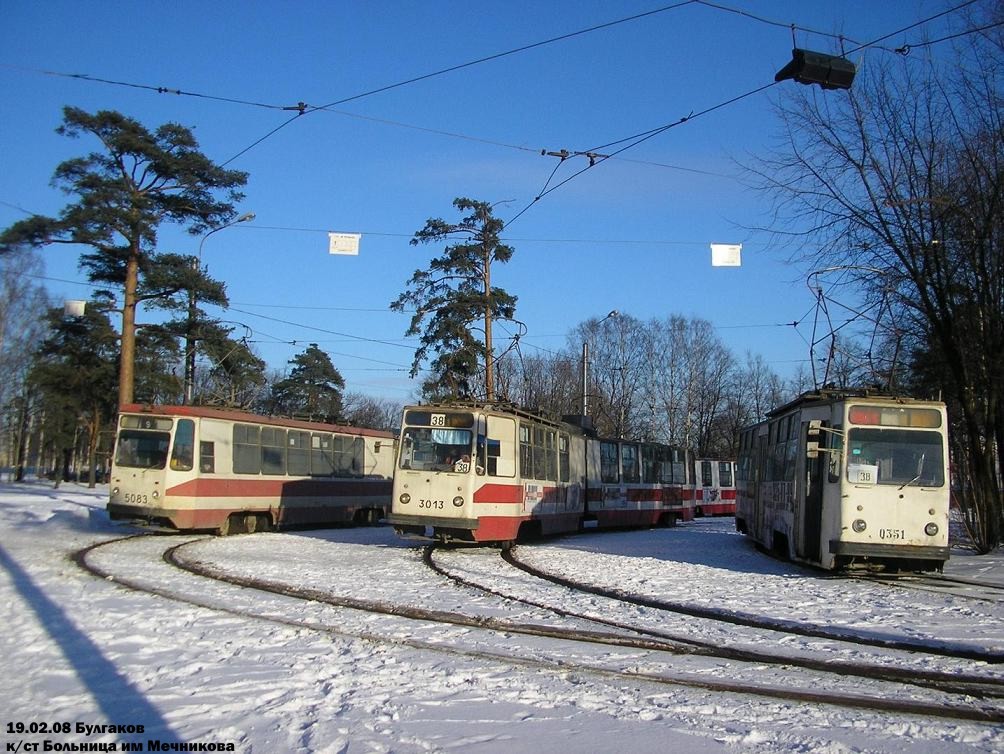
847	479
190	467
714	487
481	473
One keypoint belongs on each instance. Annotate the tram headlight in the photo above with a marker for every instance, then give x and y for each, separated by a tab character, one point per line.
404	499
859	525
931	529
155	494
458	501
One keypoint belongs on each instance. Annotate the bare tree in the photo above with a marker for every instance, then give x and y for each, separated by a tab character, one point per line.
23	305
902	181
374	413
688	371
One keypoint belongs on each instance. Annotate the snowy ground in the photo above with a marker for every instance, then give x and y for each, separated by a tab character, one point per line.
265	673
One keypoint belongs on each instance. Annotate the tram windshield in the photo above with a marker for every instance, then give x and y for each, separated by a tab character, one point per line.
434	449
895	456
138	449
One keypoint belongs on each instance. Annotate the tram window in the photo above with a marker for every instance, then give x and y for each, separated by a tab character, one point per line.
348	455
539	454
551	453
902	457
680	473
273	450
836	445
776	461
650	458
790	456
563	458
183	454
247	449
706	473
481	454
298	453
629	463
609	468
421	448
207	457
725	474
322	455
140	449
525	452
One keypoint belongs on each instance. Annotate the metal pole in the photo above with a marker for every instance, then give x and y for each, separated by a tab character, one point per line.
190	339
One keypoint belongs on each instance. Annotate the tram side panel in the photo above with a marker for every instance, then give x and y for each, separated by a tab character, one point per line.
196	468
532	476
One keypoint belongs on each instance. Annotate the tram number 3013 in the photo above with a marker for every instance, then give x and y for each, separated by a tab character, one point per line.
892	534
433	504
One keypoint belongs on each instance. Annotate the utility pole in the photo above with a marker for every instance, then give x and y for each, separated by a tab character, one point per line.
190	339
486	255
585	365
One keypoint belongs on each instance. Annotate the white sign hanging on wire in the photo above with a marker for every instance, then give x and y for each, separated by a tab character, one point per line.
344	243
726	255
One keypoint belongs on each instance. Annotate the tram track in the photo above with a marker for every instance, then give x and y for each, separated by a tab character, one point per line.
951	682
959	709
948	585
756	621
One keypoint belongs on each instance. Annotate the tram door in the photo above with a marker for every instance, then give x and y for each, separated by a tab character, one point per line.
812	521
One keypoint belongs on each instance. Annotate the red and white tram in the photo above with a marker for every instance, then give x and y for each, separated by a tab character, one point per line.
714	487
483	473
190	467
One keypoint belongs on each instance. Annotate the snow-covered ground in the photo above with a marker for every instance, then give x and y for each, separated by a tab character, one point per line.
208	663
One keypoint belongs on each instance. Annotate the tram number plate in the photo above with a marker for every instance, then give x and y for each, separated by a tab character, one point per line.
892	534
137	498
436	504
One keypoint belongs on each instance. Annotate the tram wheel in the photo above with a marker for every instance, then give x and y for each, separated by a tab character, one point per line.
256	522
231	525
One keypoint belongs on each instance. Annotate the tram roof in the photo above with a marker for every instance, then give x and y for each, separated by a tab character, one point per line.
834	395
226	414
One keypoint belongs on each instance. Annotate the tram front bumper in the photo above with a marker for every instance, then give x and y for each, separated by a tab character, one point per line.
869	550
398	519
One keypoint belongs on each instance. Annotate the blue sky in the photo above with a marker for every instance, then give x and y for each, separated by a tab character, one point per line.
631	234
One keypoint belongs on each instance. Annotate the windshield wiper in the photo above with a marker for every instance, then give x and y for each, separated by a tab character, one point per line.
920	472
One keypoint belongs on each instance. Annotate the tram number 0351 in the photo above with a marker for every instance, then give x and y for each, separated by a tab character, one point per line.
431	504
892	534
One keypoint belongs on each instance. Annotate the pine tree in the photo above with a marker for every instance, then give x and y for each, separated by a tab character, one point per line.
313	388
124	192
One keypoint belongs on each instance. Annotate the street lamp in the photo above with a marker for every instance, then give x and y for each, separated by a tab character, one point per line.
190	340
585	365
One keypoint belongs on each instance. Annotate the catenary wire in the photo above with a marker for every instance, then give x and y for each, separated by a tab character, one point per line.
635	140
